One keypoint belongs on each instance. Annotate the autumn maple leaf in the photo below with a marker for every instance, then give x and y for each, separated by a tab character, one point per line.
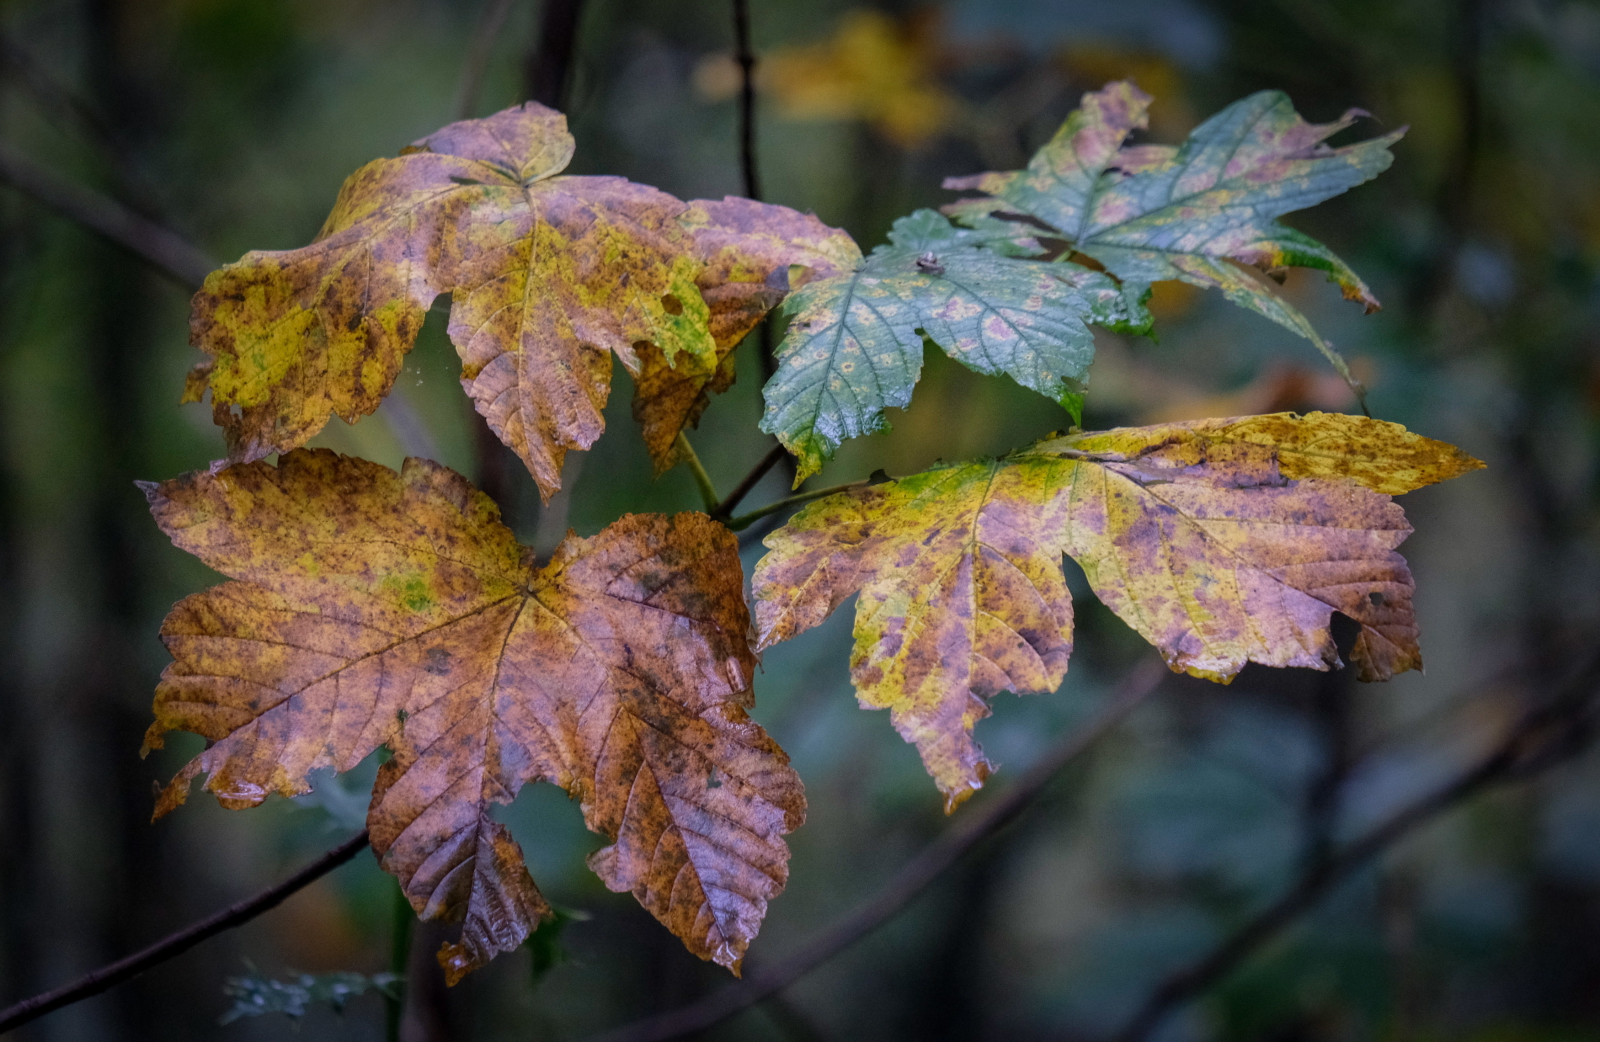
550	276
1221	542
371	608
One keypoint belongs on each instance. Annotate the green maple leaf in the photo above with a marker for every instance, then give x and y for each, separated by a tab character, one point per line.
855	340
1201	212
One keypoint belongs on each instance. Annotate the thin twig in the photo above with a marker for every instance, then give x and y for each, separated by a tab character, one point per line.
549	70
96	981
1543	738
748	482
745	520
702	480
746	57
167	251
906	884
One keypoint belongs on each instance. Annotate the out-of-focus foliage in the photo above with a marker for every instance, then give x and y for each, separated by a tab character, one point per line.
258	996
872	68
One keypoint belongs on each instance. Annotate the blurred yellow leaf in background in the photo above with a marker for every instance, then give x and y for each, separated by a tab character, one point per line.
874	68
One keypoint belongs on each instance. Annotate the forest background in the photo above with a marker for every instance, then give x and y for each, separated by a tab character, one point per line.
232	123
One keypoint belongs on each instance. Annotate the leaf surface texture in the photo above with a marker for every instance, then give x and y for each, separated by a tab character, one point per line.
550	276
370	608
1201	212
854	342
1221	542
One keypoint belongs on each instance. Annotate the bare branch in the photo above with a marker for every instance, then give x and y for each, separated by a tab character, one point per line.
549	68
169	252
1544	737
96	981
907	883
746	57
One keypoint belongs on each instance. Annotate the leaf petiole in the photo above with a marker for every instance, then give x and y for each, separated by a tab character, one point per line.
702	480
744	521
750	481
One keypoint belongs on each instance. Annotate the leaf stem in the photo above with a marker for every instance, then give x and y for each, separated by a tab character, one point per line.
708	491
745	520
750	480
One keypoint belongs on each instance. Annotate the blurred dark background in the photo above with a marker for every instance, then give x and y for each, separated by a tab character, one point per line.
233	122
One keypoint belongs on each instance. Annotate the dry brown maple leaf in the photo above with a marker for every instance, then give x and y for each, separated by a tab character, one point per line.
372	608
1221	542
550	275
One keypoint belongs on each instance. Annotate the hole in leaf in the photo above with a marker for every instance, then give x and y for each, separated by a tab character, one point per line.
671	304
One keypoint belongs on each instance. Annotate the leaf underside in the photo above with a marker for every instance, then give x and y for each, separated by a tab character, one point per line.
550	275
370	608
1221	542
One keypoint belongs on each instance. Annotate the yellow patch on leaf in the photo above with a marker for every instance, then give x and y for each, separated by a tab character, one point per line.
752	256
1221	542
370	608
550	275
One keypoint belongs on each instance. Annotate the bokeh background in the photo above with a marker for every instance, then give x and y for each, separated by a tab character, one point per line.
233	123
